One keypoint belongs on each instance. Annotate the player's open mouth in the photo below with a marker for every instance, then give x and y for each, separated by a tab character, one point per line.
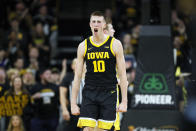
95	30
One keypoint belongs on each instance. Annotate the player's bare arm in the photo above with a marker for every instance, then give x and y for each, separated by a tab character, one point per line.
75	110
121	69
64	103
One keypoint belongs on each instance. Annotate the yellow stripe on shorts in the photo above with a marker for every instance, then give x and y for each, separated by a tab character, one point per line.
82	122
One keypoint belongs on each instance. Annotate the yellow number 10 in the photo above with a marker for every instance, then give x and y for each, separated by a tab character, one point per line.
99	66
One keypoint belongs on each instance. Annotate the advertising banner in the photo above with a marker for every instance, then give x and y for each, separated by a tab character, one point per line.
152	120
154	86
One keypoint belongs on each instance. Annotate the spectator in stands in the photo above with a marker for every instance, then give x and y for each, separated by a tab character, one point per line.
128	48
29	80
127	15
136	31
4	61
11	73
33	59
40	41
3	87
130	63
19	65
69	121
3	83
182	46
131	78
18	95
182	51
16	124
39	38
22	14
184	9
181	94
58	76
177	42
108	13
46	103
14	46
135	38
55	76
14	25
45	18
21	35
51	5
178	28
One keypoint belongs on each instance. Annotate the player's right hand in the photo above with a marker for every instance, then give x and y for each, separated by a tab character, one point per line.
66	115
122	107
75	110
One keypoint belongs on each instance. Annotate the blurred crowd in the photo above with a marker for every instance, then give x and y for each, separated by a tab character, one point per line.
29	86
126	18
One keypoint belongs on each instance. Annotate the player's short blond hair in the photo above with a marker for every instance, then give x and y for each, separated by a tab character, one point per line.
98	13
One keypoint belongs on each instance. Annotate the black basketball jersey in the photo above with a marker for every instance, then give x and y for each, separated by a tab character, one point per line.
100	63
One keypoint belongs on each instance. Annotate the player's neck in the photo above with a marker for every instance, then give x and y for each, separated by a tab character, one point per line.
98	38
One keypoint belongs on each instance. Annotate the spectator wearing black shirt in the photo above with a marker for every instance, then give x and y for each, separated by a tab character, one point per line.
69	121
20	10
46	103
18	38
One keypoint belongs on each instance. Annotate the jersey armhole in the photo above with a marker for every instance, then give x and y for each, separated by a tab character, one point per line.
111	46
85	47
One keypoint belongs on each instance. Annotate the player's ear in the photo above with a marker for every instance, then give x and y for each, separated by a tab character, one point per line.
105	31
90	22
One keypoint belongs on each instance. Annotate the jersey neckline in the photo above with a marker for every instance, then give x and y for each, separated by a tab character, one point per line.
99	44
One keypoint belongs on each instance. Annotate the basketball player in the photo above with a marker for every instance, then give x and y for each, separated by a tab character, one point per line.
100	105
109	30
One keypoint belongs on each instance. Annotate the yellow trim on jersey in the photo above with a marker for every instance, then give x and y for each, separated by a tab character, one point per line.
111	46
82	122
117	121
117	76
85	47
99	44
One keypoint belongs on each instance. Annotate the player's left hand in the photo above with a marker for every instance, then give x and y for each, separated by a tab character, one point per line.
122	107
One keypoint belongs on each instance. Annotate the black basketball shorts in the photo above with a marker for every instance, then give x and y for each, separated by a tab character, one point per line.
99	108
